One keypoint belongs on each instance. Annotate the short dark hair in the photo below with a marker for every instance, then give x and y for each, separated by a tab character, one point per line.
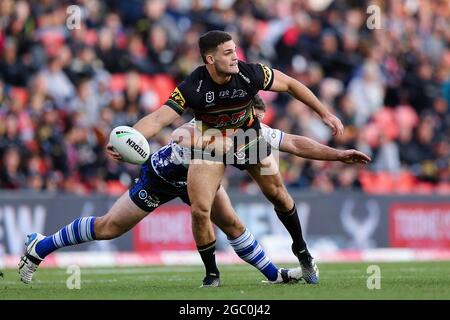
209	41
258	103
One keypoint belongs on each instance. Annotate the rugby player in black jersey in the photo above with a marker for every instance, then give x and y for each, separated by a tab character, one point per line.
220	94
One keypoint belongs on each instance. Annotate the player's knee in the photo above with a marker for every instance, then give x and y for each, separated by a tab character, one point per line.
199	217
200	208
200	213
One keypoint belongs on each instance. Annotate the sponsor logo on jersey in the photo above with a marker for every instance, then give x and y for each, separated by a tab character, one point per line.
246	79
267	75
178	98
223	120
238	93
137	148
199	85
224	94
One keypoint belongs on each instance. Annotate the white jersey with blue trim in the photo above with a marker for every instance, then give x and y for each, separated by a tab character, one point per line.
171	161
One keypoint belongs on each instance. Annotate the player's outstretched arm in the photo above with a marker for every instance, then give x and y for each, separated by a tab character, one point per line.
284	83
307	148
149	126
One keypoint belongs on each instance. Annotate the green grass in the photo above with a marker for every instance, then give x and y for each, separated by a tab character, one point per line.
418	280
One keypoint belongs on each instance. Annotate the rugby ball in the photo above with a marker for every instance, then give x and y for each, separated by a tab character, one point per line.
130	143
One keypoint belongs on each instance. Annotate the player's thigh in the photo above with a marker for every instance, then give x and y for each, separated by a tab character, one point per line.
271	183
203	181
224	216
122	216
266	179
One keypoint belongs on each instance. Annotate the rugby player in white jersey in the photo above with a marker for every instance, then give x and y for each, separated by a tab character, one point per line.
162	179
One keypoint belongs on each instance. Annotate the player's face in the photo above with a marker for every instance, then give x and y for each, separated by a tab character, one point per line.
225	58
260	114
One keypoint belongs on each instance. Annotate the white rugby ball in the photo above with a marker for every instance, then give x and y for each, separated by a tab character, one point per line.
130	143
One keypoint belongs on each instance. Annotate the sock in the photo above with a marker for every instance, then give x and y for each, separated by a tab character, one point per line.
292	224
79	231
208	255
249	250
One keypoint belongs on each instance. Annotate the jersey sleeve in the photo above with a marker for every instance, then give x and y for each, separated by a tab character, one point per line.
274	137
261	74
177	100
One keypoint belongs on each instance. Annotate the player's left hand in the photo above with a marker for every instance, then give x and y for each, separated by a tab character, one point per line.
334	123
353	156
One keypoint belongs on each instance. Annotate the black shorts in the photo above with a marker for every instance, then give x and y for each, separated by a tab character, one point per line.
254	154
249	148
150	191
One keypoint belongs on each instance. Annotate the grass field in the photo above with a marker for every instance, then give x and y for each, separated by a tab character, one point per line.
418	280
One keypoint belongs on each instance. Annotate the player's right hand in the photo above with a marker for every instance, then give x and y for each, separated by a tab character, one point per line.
353	156
113	153
220	144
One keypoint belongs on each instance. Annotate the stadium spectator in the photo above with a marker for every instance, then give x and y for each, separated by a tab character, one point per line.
62	91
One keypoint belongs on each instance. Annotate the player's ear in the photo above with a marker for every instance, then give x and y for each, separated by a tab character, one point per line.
209	59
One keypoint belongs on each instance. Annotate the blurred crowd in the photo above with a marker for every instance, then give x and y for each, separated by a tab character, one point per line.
65	83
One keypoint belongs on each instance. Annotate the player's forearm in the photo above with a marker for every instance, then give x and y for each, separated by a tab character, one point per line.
148	126
153	123
302	93
284	83
307	148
